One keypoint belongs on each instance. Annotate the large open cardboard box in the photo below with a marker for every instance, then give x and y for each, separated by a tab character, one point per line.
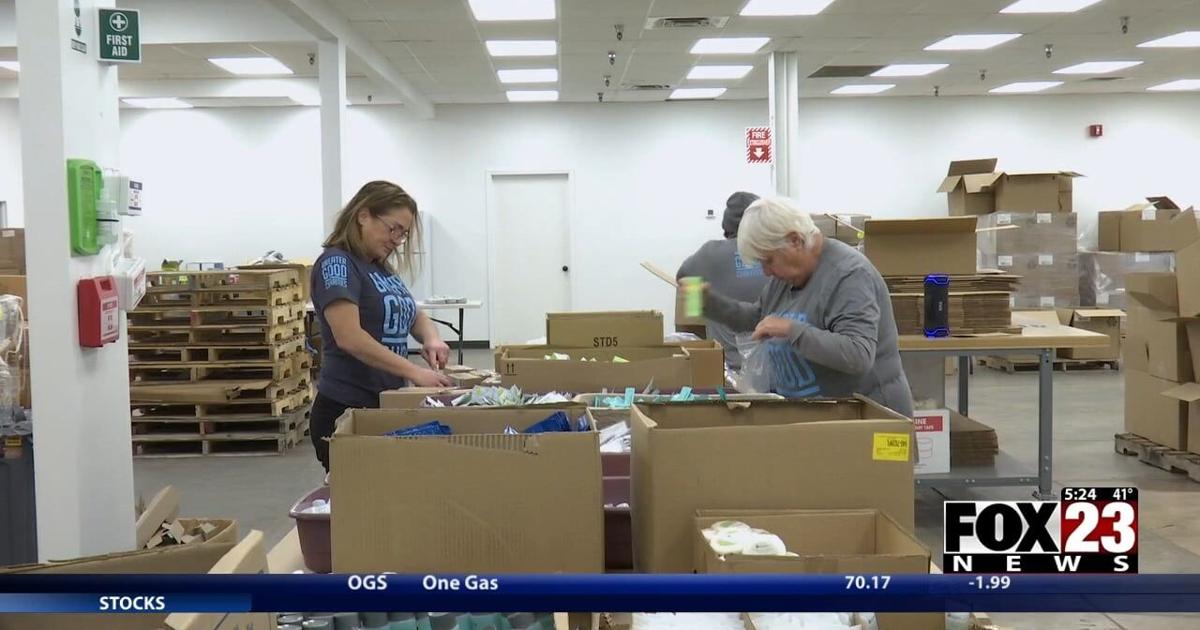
1159	226
969	187
1036	192
812	454
917	247
699	364
611	329
476	501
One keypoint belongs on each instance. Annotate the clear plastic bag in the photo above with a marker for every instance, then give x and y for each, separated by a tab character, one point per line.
755	375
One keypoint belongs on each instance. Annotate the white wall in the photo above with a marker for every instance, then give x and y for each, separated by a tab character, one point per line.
10	162
232	183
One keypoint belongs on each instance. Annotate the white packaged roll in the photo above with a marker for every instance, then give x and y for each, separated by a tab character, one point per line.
764	545
709	533
730	526
728	542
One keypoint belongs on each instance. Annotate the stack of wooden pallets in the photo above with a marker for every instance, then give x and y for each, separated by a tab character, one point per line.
218	364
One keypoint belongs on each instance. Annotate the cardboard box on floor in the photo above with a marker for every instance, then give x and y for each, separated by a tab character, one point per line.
1187	271
916	247
12	251
1106	321
1151	414
969	187
827	541
1036	192
1158	347
476	501
700	365
611	329
756	455
1157	226
1188	395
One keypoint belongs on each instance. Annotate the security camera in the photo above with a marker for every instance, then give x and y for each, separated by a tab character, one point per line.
937	90
612	57
608	80
983	74
620	29
599	97
1125	24
1049	50
312	59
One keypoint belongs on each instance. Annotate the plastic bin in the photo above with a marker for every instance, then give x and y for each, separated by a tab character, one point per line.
618	525
313	530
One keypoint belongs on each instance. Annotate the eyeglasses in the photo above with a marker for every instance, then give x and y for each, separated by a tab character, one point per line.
397	231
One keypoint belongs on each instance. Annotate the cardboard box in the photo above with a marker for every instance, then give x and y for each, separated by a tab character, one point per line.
1031	233
761	455
916	247
1187	272
612	329
1193	335
969	187
1158	347
477	501
844	227
1188	394
412	397
12	251
1157	292
1147	228
1106	321
1036	192
1102	274
1151	414
700	365
1047	280
932	429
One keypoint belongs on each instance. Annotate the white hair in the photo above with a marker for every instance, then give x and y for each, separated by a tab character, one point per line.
766	225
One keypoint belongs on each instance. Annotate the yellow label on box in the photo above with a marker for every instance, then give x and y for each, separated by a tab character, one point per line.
891	447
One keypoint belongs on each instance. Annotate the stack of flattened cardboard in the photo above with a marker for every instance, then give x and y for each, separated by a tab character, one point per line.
979	304
972	443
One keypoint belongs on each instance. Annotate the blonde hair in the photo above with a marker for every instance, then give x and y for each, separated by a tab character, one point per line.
377	198
766	226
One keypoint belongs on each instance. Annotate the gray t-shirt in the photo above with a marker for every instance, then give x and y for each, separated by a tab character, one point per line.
843	338
386	310
719	263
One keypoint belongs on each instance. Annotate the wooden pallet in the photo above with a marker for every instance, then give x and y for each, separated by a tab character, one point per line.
164	446
218	314
1007	364
238	408
182	372
148	428
229	332
166	353
231	295
1157	455
221	280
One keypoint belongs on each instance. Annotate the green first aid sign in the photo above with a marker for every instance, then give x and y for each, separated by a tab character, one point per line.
120	41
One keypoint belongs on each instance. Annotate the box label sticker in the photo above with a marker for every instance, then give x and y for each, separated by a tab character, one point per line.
1045	260
1045	217
1047	301
1004	261
1102	298
1141	257
1012	301
1149	214
891	447
1003	219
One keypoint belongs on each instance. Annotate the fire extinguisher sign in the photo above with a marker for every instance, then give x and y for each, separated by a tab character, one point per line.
758	145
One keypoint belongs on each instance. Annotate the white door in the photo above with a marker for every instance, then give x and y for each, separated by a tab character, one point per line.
530	259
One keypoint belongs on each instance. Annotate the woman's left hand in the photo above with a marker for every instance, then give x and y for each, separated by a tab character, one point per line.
436	353
772	326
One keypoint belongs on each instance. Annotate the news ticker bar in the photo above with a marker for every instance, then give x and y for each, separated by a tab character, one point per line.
619	593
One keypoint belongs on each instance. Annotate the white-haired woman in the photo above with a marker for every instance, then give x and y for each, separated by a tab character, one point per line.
825	313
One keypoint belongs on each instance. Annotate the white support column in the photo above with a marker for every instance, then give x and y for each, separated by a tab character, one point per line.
331	71
783	97
81	429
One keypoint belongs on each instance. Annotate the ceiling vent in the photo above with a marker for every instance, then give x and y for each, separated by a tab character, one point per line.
646	86
844	72
686	22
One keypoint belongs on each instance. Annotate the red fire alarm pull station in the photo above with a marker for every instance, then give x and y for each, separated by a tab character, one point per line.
1096	131
99	311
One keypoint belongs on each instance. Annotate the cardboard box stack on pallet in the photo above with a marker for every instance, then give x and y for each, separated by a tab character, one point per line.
218	363
1141	238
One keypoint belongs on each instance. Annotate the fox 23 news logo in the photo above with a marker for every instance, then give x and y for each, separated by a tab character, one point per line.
1091	530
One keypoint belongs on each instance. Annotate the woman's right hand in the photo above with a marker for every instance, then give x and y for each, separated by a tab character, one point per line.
425	377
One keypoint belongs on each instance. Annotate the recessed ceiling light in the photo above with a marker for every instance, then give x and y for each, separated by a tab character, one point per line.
15	66
1181	85
973	42
1186	39
528	75
256	66
863	89
909	69
522	47
1025	87
169	102
531	96
1097	67
1048	6
694	93
508	10
785	7
719	72
728	45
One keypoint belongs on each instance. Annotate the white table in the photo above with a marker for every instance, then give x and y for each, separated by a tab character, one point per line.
462	308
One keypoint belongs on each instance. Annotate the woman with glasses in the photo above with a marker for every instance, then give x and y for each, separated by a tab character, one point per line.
366	313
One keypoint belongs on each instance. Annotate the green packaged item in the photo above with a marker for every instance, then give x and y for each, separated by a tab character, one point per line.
693	296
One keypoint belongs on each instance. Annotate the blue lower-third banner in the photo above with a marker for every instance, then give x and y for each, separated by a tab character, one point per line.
33	593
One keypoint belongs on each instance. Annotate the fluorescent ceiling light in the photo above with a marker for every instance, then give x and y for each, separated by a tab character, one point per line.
15	66
522	47
719	72
531	96
1048	6
509	10
1186	39
864	89
1097	67
1025	87
1181	85
691	93
728	45
534	75
169	102
909	69
255	66
785	7
973	42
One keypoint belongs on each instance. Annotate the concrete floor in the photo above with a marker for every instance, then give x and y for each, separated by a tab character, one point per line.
257	491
